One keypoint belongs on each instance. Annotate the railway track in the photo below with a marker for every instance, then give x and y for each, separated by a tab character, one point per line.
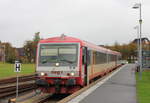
21	79
8	86
41	98
6	91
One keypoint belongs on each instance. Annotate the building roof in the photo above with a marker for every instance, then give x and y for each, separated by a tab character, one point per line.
144	40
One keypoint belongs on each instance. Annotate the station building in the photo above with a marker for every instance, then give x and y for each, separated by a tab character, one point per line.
145	51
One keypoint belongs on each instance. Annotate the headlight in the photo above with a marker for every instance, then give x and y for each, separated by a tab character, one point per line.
72	74
42	74
57	64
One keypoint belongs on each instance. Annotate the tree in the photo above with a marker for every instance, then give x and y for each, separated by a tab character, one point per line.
31	46
10	53
127	50
28	47
36	37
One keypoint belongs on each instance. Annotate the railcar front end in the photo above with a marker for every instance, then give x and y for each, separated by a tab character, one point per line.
58	67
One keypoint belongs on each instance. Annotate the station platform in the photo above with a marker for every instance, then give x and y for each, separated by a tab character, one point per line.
119	88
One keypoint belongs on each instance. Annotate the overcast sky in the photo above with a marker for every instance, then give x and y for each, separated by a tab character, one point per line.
98	21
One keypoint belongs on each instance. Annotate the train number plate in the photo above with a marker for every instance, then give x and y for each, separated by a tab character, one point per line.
56	72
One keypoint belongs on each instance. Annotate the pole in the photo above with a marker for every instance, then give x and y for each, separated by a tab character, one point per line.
140	49
138	43
17	87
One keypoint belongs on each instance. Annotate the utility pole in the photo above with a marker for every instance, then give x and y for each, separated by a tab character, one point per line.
138	6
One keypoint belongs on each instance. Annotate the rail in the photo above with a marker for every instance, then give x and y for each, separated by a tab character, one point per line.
8	86
21	79
6	91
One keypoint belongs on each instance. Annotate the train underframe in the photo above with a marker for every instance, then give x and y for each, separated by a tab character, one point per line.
59	85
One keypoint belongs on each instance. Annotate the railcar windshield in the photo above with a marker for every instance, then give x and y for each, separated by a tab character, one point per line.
64	54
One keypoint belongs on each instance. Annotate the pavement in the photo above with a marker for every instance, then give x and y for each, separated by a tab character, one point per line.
118	88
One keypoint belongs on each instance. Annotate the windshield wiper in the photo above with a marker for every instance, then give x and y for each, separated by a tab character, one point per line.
44	61
68	61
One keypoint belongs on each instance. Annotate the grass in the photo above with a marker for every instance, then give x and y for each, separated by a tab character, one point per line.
7	70
143	87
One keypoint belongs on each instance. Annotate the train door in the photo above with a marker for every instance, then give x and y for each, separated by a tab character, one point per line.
84	65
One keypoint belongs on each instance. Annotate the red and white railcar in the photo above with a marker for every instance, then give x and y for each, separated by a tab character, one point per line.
66	64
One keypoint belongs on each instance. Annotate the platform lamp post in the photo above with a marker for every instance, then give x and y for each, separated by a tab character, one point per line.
137	28
138	6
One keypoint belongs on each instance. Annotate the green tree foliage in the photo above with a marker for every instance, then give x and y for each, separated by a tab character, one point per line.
30	47
127	50
10	53
36	37
29	50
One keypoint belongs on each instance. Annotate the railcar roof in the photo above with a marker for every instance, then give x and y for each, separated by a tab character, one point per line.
66	39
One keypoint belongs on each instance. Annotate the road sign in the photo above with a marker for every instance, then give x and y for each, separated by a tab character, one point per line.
17	67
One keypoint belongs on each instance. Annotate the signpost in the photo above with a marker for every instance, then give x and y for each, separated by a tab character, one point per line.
17	68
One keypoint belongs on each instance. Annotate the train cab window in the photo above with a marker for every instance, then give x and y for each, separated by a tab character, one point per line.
65	54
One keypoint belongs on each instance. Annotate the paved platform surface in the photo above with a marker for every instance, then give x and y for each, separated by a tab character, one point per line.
120	88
